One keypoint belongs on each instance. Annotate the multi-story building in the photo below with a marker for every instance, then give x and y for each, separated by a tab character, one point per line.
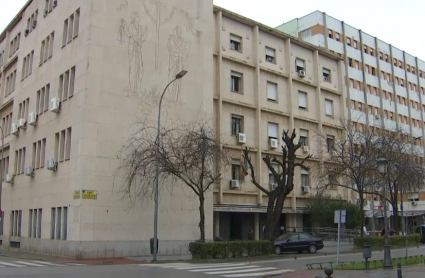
384	85
75	76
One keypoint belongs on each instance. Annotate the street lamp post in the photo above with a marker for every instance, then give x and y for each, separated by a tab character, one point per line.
155	222
383	169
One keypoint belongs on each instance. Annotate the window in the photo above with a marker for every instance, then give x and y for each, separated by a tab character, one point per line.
46	51
365	48
63	145
330	34
381	55
16	223
14	44
306	33
360	106
332	181
371	51
348	41
20	161
235	43
271	91
10	83
302	100
299	64
38	154
236	170
270	55
304	178
350	62
273	130
34	227
236	125
71	28
303	137
1	58
66	84
236	82
329	110
326	75
23	109
386	58
337	36
6	124
5	167
43	99
330	143
272	179
355	44
59	223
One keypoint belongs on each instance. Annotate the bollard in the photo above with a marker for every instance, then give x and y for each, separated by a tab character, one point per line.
329	271
399	274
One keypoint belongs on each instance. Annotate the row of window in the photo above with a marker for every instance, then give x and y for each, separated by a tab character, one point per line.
46	50
6	124
59	223
236	44
1	58
10	83
27	65
70	27
14	44
31	23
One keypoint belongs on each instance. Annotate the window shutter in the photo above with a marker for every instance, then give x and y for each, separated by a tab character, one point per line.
326	71
299	63
273	130
303	133
270	51
236	74
302	98
271	90
304	172
328	107
235	38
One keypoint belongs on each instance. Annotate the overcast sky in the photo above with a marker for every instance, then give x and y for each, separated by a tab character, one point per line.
393	21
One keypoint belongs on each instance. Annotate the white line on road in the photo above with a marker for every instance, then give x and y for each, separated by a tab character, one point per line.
224	268
210	266
241	271
27	263
259	274
10	264
47	263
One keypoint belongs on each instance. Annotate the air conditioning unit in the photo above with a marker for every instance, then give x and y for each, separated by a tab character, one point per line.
32	119
274	143
377	117
305	189
14	129
301	73
234	183
306	149
9	178
52	165
414	203
29	171
55	3
46	12
34	24
27	31
241	138
22	123
56	105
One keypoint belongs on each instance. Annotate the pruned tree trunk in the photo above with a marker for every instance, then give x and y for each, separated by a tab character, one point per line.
362	218
202	217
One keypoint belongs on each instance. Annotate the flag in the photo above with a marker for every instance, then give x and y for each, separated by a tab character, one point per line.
244	166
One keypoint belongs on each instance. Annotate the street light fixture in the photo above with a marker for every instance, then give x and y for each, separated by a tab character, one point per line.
155	224
383	169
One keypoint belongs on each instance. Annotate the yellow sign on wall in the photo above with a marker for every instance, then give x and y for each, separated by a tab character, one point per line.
90	194
76	194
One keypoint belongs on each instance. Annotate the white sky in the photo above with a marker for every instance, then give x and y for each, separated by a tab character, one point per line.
393	21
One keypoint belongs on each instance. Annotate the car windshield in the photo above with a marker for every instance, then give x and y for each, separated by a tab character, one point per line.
283	237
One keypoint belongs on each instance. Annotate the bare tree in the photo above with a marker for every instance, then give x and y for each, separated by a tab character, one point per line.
349	161
284	179
188	155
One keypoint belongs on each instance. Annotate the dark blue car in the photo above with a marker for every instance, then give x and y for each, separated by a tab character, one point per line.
297	242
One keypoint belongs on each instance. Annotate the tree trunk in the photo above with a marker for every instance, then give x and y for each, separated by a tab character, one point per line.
362	216
268	230
202	217
274	212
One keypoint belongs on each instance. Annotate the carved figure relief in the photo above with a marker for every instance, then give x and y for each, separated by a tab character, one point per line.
178	50
136	35
124	5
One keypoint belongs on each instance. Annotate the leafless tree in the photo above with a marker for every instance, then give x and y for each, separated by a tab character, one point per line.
284	179
189	155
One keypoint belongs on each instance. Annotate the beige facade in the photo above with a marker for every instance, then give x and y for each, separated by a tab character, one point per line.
106	63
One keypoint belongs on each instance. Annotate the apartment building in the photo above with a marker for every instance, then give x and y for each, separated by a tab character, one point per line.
75	77
384	85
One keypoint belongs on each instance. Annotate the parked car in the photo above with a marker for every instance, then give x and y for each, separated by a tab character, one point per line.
297	242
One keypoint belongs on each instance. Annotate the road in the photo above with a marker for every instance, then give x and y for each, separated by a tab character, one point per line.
276	265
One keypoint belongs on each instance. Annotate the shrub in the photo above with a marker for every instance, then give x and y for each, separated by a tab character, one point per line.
394	241
229	249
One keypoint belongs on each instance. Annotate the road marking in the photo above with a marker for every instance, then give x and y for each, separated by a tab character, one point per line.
28	263
223	268
210	266
47	263
241	271
259	274
10	264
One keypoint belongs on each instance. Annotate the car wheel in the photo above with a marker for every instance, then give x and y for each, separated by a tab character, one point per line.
277	250
312	249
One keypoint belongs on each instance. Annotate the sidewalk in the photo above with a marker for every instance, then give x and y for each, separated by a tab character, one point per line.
408	272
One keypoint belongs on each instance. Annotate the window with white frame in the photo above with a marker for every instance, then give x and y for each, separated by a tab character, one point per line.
329	109
299	64
236	82
326	75
16	223
236	170
337	36
302	100
34	227
304	178
349	41
270	55
271	91
235	43
236	124
330	141
59	223
303	137
272	180
273	130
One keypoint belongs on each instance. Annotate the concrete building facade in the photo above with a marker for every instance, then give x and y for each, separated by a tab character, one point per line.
75	76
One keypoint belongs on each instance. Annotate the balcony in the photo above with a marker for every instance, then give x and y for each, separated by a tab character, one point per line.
412	78
354	53
385	66
389	105
414	96
372	80
358	116
370	60
390	124
336	46
402	109
357	95
373	100
416	114
417	132
355	74
387	85
399	72
401	91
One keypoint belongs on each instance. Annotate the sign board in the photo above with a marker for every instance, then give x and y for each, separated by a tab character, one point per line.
76	194
89	194
340	214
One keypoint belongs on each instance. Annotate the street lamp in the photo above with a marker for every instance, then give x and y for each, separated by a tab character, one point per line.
383	169
155	221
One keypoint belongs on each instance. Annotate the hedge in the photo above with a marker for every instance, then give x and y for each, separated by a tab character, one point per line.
374	241
230	249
